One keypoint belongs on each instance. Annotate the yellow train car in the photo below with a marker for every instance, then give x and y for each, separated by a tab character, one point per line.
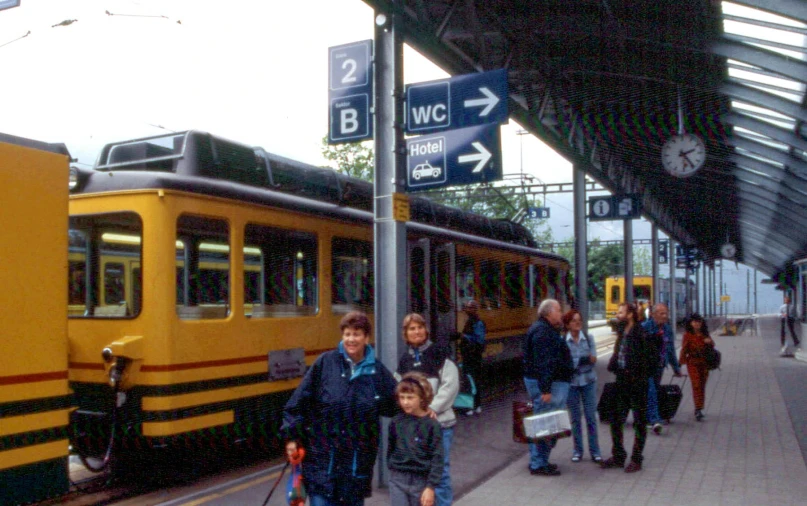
206	275
34	397
642	293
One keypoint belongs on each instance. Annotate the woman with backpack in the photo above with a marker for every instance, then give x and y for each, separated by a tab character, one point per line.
583	386
696	345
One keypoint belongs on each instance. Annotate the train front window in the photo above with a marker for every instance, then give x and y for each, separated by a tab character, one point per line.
104	260
203	268
641	293
281	272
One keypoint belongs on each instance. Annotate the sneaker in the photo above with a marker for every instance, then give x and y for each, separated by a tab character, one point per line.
544	471
633	467
783	351
597	459
698	415
479	410
576	457
657	428
611	463
470	412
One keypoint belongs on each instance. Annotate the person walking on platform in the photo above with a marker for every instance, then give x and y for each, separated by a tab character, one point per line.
787	314
632	362
472	346
660	332
583	386
432	360
547	372
693	355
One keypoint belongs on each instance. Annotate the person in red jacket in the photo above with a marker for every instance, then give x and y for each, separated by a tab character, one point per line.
693	354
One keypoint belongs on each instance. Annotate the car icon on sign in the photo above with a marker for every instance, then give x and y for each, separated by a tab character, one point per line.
426	170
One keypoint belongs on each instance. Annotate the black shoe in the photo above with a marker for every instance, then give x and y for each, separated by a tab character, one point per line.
698	415
553	467
545	471
611	463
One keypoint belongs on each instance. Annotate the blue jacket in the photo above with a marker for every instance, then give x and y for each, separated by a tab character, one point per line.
336	416
666	344
546	356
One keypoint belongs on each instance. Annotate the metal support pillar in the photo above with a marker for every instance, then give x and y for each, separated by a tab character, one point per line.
580	244
697	297
748	292
654	262
722	304
671	305
755	292
628	254
390	235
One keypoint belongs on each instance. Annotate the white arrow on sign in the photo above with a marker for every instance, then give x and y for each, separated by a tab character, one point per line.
482	156
489	101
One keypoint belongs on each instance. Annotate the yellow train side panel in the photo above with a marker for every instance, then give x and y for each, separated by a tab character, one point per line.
38	390
32	454
36	421
213	396
157	429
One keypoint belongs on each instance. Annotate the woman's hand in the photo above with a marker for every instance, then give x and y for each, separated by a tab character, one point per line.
427	497
431	414
592	359
708	340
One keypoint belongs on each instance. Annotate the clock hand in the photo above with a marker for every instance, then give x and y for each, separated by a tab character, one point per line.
686	152
685	157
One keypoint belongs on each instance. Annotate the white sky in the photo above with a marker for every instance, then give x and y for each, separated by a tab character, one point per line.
251	71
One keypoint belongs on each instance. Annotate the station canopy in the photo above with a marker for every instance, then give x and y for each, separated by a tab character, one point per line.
607	82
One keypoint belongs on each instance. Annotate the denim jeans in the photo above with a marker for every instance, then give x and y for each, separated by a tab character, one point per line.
443	494
652	401
539	452
321	500
588	394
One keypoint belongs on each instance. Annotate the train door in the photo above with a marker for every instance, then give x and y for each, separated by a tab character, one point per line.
419	282
444	292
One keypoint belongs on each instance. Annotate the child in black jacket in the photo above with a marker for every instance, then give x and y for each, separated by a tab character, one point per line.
415	455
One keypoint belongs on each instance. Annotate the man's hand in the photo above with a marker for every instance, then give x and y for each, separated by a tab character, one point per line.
546	398
427	497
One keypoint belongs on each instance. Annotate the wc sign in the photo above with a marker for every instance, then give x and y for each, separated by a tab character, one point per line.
350	92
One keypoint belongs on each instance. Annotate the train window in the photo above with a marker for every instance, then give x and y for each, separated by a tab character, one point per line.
642	292
280	278
104	258
616	294
552	283
443	281
466	286
203	260
490	281
513	284
539	290
352	275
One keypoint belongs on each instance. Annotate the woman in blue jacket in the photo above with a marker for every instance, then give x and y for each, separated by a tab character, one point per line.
335	413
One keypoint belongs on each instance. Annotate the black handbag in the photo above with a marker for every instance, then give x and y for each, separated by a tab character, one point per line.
712	358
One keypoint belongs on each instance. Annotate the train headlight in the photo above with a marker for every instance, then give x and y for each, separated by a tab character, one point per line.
72	180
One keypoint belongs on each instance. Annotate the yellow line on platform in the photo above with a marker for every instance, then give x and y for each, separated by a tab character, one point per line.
232	490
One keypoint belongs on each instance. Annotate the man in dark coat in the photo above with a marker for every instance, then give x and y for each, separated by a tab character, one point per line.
634	360
547	372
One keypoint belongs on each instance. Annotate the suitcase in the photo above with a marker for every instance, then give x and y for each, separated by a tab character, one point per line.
669	398
607	403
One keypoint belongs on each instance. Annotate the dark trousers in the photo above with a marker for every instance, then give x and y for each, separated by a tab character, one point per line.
472	364
791	323
630	395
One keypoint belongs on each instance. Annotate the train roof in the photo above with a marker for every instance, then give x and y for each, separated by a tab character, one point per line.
198	162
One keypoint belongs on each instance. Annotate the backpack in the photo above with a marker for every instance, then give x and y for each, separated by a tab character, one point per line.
713	358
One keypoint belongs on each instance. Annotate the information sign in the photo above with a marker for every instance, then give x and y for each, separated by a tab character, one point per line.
350	92
606	208
464	156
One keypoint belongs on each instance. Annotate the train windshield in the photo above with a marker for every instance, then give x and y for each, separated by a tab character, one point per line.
155	153
104	269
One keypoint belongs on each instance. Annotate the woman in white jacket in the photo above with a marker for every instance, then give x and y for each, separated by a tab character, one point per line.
432	360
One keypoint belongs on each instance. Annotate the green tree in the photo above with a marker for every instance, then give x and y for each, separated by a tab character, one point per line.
353	159
642	261
603	261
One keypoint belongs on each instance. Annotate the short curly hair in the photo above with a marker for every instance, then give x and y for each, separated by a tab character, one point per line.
416	383
356	320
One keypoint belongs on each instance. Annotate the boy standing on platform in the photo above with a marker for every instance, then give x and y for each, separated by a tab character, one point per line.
415	454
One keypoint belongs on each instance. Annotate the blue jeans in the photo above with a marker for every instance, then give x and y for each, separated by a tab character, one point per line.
539	452
321	500
443	494
588	394
652	402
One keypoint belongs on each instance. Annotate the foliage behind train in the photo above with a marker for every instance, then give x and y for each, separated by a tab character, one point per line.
205	275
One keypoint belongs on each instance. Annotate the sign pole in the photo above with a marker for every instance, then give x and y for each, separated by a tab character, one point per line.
390	234
628	259
654	255
671	304
580	253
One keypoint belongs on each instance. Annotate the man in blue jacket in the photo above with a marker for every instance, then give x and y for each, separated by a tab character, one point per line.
660	330
547	373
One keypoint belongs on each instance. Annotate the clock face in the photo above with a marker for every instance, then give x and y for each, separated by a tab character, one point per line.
682	155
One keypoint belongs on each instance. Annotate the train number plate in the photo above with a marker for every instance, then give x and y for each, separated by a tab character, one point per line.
286	364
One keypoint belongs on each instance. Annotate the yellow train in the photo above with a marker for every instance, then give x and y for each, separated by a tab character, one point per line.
204	275
35	399
642	293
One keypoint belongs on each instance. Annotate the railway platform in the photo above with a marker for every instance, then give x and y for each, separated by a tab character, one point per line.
750	449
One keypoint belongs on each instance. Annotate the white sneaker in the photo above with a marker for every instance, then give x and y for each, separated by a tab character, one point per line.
479	410
657	428
470	412
783	351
